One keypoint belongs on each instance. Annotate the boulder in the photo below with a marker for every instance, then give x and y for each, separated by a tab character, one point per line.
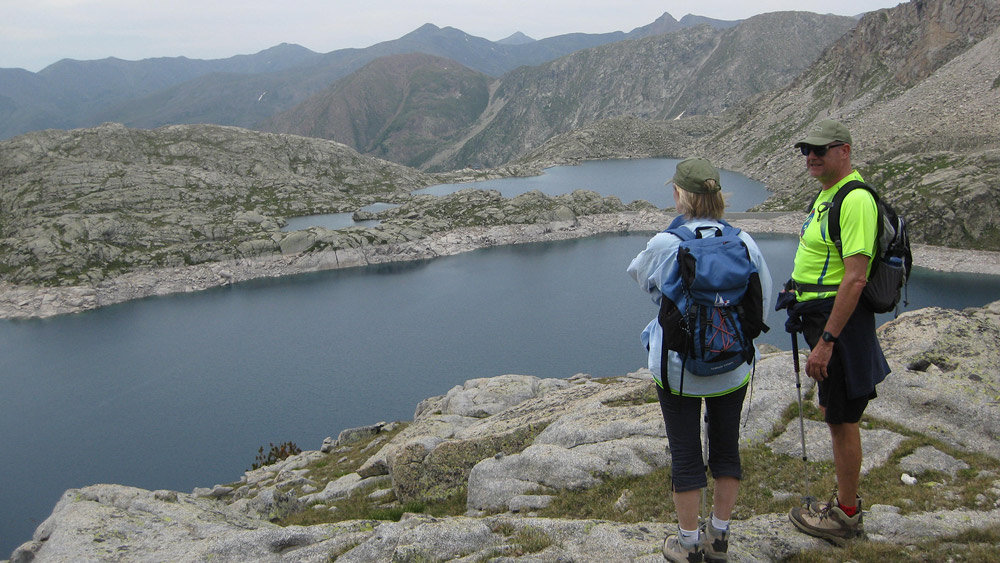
928	458
945	376
480	398
352	435
114	522
344	487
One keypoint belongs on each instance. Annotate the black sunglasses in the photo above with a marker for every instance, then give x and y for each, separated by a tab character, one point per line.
819	151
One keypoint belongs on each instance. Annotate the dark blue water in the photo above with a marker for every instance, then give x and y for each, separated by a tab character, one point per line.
178	392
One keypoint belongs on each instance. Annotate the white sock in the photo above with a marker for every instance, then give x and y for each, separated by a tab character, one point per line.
721	525
688	537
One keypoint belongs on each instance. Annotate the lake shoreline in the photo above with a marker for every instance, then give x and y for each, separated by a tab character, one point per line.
27	302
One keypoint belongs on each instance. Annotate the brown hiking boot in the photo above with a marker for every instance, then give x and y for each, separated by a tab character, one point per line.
829	522
714	543
675	551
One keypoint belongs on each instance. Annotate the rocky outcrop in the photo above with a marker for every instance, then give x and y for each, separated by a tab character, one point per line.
514	443
946	375
112	522
83	207
23	301
558	222
80	206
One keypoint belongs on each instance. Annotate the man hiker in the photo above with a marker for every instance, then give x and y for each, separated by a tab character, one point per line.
845	358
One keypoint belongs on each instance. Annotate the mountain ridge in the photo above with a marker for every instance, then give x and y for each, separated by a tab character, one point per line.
72	94
666	75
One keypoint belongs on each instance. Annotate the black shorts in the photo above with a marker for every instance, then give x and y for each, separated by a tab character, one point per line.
833	389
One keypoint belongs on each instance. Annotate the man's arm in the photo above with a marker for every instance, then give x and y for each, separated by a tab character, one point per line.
855	279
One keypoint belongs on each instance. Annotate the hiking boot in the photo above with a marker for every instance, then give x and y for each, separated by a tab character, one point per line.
814	506
674	550
714	543
829	522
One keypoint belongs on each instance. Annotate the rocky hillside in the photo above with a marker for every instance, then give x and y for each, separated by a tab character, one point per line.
402	108
693	71
919	87
520	468
918	78
79	207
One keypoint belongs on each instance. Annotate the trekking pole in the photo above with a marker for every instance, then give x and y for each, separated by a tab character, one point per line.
806	499
704	456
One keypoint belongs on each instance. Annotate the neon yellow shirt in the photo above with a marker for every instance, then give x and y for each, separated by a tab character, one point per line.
816	259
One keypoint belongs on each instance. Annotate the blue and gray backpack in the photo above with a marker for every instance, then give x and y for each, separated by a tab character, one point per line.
712	306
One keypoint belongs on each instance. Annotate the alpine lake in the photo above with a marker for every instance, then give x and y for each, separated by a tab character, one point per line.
180	391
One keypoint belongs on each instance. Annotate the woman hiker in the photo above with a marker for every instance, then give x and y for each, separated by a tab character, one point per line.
698	198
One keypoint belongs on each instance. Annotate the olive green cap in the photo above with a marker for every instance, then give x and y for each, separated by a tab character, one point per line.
826	132
697	175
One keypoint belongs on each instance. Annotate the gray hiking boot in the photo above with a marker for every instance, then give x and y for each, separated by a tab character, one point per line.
829	522
714	543
674	550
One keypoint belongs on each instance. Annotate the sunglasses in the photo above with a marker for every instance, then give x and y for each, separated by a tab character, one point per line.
819	151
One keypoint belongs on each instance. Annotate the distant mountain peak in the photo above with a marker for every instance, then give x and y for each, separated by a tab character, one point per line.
517	38
426	28
663	24
666	17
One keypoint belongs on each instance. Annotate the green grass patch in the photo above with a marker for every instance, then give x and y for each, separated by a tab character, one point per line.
531	540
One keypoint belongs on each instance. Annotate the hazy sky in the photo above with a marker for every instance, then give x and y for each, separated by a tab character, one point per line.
37	33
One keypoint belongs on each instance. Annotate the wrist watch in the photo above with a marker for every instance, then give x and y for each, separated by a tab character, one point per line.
827	337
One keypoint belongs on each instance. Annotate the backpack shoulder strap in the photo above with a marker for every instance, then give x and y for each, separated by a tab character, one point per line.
728	229
677	222
678	229
838	201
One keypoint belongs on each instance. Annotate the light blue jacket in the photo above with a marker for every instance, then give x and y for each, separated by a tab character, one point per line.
650	269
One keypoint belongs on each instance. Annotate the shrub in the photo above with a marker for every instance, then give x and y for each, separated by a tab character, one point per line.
276	454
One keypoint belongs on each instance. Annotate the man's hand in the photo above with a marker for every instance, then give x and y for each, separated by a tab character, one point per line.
855	268
819	359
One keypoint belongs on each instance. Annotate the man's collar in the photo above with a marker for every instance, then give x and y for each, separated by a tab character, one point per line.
854	175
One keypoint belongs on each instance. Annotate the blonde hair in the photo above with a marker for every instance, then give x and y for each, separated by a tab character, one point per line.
701	206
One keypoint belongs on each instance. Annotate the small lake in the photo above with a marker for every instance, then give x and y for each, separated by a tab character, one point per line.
179	391
334	221
629	180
